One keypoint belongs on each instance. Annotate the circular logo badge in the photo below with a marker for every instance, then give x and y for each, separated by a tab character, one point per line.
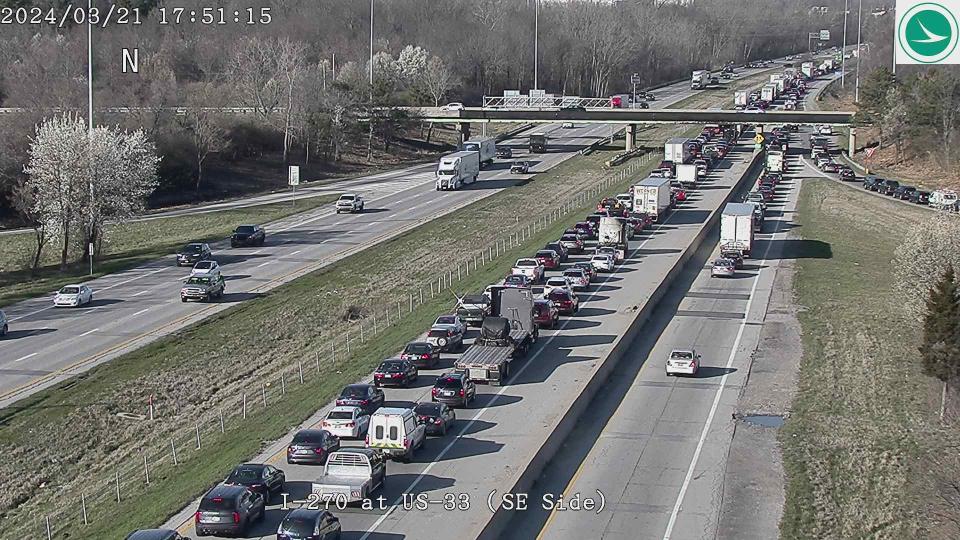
928	32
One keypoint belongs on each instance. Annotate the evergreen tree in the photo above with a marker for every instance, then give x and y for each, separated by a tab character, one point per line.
940	348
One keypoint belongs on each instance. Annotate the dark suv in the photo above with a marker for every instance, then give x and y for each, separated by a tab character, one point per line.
259	478
248	235
920	197
888	187
312	446
395	372
454	389
871	183
193	253
904	192
228	510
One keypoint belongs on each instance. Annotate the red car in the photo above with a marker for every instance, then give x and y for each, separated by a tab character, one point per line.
566	303
679	192
548	258
636	224
545	313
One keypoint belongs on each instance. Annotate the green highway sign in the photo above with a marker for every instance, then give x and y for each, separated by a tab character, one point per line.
927	32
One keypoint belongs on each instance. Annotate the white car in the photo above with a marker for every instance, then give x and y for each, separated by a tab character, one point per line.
682	362
567	125
206	269
455	106
350	203
626	199
577	277
73	296
554	283
825	130
602	262
723	267
450	322
346	422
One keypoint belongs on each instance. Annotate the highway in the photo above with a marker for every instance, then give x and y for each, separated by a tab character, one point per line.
494	440
137	306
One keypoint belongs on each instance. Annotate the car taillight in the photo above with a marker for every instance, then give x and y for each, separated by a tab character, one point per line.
436	420
366	440
406	442
364	401
424	356
196	517
349	424
449	333
318	450
433	391
461	392
236	517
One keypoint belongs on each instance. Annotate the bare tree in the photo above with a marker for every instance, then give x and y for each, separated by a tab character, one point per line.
207	130
437	79
22	198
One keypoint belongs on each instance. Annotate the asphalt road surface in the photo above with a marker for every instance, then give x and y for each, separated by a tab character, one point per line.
501	432
134	307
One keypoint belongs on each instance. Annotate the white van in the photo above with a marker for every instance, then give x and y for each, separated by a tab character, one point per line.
396	432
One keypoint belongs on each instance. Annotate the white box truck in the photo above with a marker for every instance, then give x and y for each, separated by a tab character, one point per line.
486	147
457	169
652	195
774	161
736	228
740	98
807	69
768	92
698	81
687	175
677	150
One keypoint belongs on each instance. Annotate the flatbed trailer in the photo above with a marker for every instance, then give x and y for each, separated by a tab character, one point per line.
490	363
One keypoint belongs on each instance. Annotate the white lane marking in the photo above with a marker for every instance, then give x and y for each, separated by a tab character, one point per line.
294	253
719	393
141	311
263	264
257	252
529	361
142	292
25	357
88	332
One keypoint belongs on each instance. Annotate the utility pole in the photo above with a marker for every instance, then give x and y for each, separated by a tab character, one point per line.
90	129
856	91
371	48
843	50
536	42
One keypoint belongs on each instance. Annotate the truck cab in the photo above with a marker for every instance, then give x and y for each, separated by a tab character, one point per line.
538	143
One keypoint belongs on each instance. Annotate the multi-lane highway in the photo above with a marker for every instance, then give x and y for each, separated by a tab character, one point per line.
132	308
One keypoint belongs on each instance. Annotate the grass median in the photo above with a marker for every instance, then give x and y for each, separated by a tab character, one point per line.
128	245
859	443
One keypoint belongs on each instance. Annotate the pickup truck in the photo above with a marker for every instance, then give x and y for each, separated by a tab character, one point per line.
532	268
351	475
507	334
473	308
202	288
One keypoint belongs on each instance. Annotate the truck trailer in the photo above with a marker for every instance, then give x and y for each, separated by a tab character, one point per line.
506	334
457	169
807	69
652	195
741	98
486	147
687	175
768	93
736	228
678	150
613	233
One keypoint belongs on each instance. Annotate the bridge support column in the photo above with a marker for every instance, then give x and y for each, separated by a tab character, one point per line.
631	134
464	129
852	143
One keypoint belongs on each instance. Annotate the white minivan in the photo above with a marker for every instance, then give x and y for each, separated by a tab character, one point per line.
395	432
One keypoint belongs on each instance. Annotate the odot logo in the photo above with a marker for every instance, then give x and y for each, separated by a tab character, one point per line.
928	32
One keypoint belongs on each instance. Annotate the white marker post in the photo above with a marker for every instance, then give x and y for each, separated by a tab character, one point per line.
294	180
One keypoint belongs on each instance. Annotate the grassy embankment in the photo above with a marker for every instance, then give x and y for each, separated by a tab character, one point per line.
863	439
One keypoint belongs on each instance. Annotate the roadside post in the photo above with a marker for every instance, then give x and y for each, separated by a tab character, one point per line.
293	179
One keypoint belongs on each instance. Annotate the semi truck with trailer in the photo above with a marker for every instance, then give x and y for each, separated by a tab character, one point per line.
457	169
807	69
774	161
736	228
652	195
486	147
505	335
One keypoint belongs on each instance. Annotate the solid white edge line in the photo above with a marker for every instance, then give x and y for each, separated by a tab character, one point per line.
716	399
87	333
25	357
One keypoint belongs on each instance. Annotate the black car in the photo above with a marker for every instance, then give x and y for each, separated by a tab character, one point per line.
436	417
395	372
421	353
312	446
454	389
888	187
847	174
193	253
228	510
643	105
871	183
504	152
155	534
259	478
309	524
560	249
903	192
920	197
365	396
248	235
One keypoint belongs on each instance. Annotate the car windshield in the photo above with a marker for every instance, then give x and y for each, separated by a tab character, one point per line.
346	198
557	282
340	415
245	474
448	382
354	392
557	294
515	279
573	273
247	229
204	265
391	367
723	262
682	355
446	319
545	254
192	248
569	237
599	257
418	348
298	526
70	290
308	436
427	409
582	265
